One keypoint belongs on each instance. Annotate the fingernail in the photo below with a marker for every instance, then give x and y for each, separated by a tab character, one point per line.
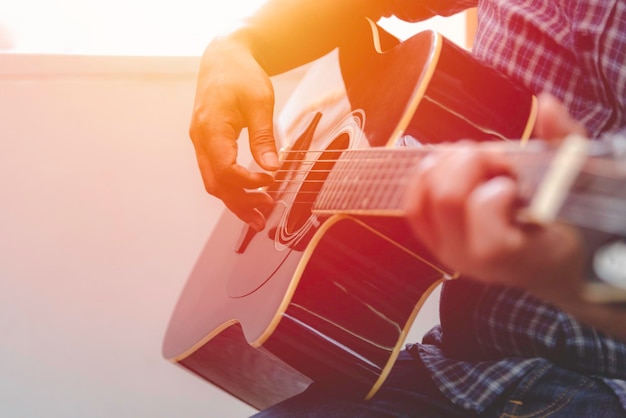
270	159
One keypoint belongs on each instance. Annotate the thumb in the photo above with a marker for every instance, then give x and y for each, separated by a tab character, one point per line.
553	120
261	137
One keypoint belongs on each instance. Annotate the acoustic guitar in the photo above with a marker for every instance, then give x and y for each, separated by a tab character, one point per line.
328	291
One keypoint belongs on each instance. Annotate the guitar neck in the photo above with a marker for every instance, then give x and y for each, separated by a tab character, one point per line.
369	181
569	183
373	181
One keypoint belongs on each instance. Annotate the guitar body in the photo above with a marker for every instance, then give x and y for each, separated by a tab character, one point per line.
330	297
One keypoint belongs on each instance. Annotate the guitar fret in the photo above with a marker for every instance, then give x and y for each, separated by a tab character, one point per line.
371	179
383	189
598	200
374	181
406	174
333	185
349	182
601	214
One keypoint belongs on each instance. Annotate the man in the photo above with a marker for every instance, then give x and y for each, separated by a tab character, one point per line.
498	351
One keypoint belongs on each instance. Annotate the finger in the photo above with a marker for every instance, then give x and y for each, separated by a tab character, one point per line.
261	132
231	180
435	200
240	177
461	173
248	206
215	143
417	201
456	176
491	230
553	120
217	157
457	173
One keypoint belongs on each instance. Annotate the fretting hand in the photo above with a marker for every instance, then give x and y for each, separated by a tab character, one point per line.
462	205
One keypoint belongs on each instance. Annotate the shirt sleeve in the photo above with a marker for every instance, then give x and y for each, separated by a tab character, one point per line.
416	10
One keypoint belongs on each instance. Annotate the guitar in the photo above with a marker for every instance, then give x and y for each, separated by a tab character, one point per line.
329	290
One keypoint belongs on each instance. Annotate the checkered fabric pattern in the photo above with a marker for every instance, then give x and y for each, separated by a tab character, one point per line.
576	50
508	334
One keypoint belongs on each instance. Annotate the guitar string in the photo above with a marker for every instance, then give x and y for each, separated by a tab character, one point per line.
614	192
616	204
602	172
334	169
596	167
588	210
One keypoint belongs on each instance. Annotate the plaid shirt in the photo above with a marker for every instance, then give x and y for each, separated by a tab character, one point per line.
575	49
475	358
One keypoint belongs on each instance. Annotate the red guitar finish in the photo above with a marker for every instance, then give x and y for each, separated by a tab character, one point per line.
329	290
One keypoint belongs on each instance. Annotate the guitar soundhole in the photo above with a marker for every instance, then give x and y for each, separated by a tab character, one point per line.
312	184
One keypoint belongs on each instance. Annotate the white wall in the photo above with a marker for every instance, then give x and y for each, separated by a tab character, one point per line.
102	216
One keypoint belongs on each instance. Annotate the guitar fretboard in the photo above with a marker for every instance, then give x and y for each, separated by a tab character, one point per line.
373	181
369	180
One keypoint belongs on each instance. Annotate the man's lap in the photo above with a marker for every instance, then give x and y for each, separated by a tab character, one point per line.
408	391
553	391
548	391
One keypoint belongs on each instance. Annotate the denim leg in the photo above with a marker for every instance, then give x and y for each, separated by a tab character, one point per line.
407	392
552	391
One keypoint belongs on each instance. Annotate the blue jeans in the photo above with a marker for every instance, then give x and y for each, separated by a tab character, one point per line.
548	391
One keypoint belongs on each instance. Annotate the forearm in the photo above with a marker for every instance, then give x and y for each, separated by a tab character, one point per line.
284	34
412	10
